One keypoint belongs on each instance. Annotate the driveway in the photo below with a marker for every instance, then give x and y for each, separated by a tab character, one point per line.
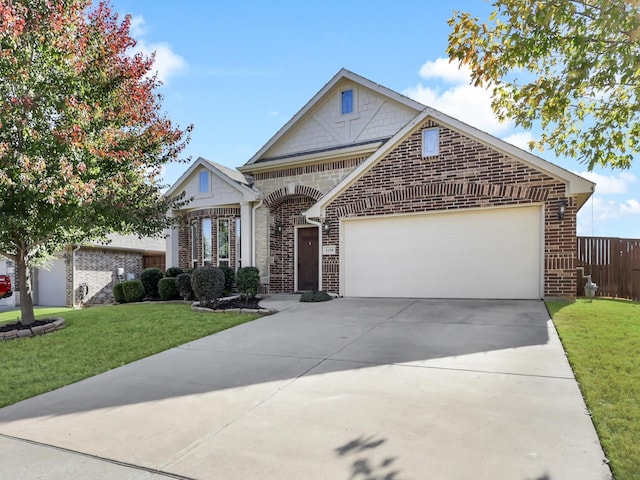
352	389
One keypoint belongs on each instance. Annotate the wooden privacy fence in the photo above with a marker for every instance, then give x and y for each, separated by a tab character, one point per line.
613	263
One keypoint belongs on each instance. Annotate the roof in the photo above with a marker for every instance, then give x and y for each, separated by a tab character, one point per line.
342	74
575	184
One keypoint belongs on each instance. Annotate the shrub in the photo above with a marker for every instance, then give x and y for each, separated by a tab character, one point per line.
133	290
315	297
167	288
248	281
150	278
118	293
173	272
183	283
229	279
207	283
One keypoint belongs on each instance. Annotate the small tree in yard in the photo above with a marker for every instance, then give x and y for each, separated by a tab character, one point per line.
208	284
82	138
248	281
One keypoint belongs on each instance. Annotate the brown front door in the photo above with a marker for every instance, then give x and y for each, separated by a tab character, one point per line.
308	258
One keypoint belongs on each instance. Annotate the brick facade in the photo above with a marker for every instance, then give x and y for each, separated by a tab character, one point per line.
465	174
195	218
97	269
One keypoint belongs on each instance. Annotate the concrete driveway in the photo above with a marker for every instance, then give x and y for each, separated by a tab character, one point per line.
352	389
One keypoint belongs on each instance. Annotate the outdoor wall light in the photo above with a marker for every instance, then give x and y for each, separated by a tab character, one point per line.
326	228
279	228
562	207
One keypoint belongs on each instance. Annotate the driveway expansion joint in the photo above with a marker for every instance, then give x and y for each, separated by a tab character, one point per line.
96	457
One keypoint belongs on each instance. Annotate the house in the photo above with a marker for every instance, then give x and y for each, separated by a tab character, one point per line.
367	193
82	275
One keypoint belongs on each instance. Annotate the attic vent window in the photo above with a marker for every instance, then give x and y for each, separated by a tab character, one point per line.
430	142
347	101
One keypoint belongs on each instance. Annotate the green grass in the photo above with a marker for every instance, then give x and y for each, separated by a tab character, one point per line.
98	339
602	341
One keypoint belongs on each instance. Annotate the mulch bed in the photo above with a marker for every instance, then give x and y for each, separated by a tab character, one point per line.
39	327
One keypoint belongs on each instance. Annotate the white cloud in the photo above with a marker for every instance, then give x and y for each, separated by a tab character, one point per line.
610	184
443	69
520	139
137	26
460	100
167	63
631	207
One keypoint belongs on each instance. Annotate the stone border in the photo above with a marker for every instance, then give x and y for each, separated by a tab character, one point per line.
57	324
261	311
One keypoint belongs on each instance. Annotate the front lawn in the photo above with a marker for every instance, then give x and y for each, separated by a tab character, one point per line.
602	341
98	339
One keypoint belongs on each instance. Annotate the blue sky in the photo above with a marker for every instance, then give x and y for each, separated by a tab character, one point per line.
238	70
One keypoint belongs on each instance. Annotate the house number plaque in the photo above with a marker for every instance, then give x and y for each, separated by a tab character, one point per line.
328	250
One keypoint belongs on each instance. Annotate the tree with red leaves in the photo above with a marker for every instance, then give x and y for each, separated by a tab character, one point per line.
82	137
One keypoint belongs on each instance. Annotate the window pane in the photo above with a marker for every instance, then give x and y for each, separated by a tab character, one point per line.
204	182
223	240
206	241
194	244
347	101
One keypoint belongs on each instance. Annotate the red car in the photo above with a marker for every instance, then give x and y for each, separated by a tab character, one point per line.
5	286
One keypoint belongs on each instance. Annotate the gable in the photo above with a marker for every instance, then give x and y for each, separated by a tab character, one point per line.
465	174
470	140
209	184
373	117
374	114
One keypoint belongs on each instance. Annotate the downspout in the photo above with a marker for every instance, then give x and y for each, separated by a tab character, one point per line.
253	230
73	276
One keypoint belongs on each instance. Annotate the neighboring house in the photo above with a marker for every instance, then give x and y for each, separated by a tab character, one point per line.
367	193
85	274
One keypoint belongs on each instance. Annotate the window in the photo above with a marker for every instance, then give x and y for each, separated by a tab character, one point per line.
223	242
194	245
203	180
347	101
206	241
430	142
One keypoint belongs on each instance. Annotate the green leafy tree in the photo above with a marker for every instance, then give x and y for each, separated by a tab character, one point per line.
82	137
572	65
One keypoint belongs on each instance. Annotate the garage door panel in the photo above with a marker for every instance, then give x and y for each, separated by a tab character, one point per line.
480	254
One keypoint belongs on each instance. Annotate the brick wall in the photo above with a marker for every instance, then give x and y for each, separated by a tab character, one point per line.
288	214
96	268
465	174
185	240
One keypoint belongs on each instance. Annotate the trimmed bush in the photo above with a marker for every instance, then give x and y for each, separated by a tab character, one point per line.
118	293
133	290
207	283
315	297
248	281
183	283
172	272
167	288
229	280
150	278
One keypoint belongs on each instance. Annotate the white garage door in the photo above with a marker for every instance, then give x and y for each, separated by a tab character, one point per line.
493	253
52	285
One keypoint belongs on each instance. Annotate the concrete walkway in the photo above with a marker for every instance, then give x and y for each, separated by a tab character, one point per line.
350	389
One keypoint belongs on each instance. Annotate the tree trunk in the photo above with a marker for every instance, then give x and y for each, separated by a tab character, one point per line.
24	287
